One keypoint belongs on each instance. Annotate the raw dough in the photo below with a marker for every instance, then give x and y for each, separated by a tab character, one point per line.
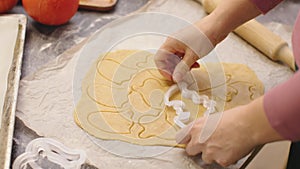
122	98
8	36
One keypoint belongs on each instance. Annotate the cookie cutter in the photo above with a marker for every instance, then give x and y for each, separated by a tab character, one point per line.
178	105
51	149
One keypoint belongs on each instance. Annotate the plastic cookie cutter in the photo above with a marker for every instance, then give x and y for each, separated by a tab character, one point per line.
52	150
178	105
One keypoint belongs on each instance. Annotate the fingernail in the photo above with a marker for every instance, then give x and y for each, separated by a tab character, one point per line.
177	77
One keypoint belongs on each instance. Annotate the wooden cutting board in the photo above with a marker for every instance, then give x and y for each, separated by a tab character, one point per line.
98	5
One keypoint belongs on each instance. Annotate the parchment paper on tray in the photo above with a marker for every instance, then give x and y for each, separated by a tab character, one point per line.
9	27
12	33
46	104
46	100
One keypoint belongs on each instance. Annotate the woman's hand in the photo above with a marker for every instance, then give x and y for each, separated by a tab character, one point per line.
194	42
180	52
239	131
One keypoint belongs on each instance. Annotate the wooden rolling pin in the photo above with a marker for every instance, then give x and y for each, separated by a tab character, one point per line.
261	38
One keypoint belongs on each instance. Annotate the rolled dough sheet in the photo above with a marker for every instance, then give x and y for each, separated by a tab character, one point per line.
122	97
46	98
8	36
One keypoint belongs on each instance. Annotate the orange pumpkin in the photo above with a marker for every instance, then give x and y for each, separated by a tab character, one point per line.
6	5
51	12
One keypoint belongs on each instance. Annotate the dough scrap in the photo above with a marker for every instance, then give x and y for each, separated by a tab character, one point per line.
122	98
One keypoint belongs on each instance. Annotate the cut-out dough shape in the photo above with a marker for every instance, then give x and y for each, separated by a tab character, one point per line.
123	98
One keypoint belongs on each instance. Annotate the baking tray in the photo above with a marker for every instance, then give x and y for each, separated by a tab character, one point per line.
97	5
10	102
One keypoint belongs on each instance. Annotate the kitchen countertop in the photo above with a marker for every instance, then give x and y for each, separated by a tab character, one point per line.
44	43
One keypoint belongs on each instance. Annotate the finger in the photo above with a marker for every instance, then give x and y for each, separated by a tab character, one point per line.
193	149
184	66
167	75
165	62
180	71
223	162
183	136
206	158
190	58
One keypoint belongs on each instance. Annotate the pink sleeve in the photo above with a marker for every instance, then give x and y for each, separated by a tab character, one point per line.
282	104
265	5
282	107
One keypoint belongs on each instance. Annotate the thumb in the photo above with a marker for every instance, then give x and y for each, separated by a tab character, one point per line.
184	66
190	58
180	71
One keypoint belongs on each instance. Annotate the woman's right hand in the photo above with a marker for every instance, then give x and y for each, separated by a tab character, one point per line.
237	133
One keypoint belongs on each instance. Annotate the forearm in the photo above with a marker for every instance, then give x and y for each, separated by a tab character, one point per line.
281	105
228	15
255	119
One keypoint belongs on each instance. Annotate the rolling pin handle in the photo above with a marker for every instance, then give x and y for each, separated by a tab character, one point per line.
285	55
208	5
